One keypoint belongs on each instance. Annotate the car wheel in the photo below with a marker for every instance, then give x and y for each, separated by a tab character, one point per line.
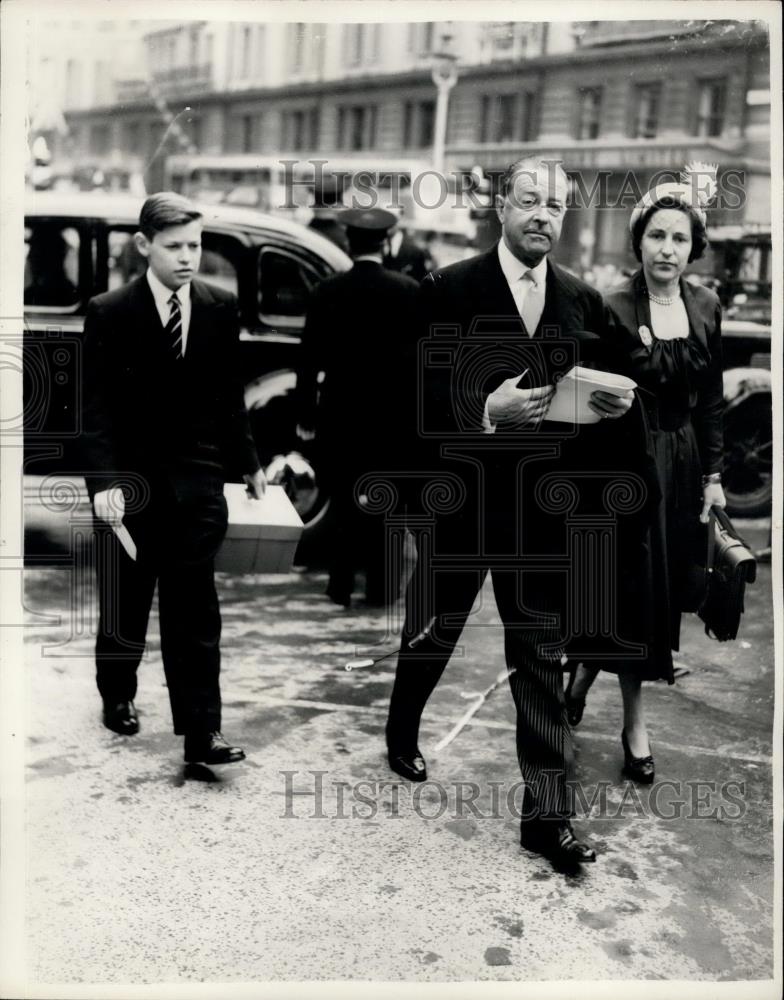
287	459
748	456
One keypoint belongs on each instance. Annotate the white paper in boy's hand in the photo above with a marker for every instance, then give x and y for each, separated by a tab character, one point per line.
124	538
573	393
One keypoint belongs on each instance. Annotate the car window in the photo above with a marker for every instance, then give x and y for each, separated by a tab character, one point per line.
285	283
216	268
51	277
126	263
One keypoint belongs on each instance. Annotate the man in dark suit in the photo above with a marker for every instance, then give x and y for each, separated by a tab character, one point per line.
498	329
356	326
406	256
327	210
164	424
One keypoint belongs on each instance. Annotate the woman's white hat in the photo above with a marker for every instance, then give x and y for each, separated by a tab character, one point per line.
696	188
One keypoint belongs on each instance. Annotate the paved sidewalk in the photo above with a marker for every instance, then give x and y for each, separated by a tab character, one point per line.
139	872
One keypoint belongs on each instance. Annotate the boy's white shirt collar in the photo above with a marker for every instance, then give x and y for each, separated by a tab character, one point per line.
161	295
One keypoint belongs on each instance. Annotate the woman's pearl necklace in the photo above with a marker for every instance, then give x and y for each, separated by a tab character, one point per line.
661	301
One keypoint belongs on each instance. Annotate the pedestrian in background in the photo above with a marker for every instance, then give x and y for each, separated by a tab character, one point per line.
356	328
164	423
405	255
327	209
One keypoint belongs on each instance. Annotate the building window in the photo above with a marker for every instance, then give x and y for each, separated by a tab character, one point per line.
408	123
99	140
314	116
102	83
357	126
529	124
360	44
504	119
427	117
247	133
132	137
293	130
193	41
194	133
418	124
245	52
300	129
73	81
261	41
589	109
647	99
296	47
711	102
421	38
506	40
353	43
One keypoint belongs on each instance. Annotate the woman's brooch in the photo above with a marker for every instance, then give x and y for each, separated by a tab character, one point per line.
645	336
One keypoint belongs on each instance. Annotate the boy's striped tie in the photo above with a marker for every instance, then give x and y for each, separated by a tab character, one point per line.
173	329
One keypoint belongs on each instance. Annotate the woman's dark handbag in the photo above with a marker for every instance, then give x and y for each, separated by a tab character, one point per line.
731	566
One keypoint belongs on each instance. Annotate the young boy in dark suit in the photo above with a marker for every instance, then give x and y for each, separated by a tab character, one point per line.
164	423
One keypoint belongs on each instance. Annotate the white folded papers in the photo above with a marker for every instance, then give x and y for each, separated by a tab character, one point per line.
573	393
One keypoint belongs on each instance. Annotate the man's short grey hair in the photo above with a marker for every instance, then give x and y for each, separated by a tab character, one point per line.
531	166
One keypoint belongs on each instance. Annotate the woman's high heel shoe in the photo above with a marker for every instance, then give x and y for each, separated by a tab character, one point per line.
641	769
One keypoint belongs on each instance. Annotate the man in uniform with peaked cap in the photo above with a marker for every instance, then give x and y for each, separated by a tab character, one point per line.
354	334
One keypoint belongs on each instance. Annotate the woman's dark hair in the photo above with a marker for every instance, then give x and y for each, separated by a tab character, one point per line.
699	234
163	210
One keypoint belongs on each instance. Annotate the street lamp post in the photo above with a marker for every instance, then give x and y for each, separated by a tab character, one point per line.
444	75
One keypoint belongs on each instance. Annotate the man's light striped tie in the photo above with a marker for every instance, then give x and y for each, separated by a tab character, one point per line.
173	329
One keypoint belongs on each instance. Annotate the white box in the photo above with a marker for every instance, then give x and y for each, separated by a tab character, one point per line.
262	535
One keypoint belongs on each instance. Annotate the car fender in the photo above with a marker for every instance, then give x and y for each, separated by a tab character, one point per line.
740	383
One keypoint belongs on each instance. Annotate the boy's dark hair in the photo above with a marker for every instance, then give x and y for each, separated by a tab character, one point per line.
699	234
165	209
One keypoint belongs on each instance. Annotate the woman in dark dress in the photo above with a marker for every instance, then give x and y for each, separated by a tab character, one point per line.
674	336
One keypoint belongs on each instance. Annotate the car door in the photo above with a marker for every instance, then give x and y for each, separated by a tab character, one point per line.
285	273
60	258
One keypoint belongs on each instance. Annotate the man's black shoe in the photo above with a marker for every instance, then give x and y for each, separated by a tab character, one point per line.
556	841
121	718
339	597
211	748
408	765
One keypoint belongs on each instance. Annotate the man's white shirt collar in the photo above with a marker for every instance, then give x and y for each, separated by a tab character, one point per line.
514	269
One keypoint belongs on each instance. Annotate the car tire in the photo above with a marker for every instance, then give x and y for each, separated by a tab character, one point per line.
748	454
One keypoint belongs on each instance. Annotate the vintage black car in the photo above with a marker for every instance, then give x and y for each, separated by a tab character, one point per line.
78	245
